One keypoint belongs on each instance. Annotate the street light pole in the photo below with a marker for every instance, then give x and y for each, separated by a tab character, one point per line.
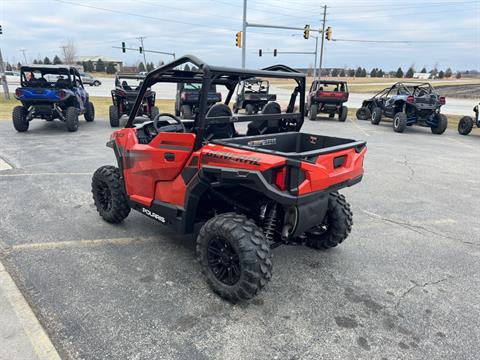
316	52
244	33
323	40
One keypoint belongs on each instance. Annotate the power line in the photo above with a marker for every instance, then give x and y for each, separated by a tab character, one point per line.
402	41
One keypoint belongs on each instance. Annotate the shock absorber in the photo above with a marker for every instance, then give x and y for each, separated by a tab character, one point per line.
270	223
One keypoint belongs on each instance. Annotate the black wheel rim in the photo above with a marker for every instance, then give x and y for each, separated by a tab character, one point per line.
223	261
104	197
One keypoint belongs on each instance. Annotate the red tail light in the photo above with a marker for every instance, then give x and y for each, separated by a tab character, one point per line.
410	99
442	100
18	92
61	94
281	178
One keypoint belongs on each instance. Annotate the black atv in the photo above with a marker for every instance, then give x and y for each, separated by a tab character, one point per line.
188	94
410	104
127	87
253	95
365	112
465	125
327	96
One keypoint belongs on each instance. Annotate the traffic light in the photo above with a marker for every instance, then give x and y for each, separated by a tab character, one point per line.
274	52
259	52
328	33
140	49
238	39
1	30
306	32
123	46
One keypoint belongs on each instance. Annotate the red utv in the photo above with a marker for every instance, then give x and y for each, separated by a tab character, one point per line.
246	192
328	97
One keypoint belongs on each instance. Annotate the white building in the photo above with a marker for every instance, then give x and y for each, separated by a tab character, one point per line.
422	76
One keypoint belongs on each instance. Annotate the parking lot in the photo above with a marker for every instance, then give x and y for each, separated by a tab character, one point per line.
404	285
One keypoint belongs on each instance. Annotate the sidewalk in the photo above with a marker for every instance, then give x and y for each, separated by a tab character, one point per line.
21	335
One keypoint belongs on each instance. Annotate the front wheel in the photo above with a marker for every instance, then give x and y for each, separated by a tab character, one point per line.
465	125
336	226
19	117
313	112
114	117
71	119
234	256
89	112
343	113
442	123
109	195
399	122
96	83
376	116
363	113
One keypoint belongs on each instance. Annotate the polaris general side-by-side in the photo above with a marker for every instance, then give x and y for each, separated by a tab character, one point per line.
253	95
327	97
51	92
127	87
187	99
407	104
466	123
246	193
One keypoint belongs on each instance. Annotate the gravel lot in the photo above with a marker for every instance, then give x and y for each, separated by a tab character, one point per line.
405	284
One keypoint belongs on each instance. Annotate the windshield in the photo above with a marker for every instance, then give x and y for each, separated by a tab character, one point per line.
326	86
197	87
256	87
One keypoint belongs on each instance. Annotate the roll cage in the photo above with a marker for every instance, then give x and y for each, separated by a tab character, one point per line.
71	73
208	75
411	89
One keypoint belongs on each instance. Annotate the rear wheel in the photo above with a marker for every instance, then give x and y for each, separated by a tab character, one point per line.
186	112
343	113
363	113
109	195
19	117
114	117
399	122
234	256
249	109
442	123
376	116
465	125
154	112
313	112
336	226
89	112
71	119
96	83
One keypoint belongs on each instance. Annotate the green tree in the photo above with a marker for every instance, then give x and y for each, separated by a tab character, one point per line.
458	75
335	72
363	73
47	61
434	72
111	69
358	72
448	73
424	70
441	74
100	67
56	60
90	65
399	73
374	72
410	73
150	66
342	73
35	61
186	67
141	67
380	73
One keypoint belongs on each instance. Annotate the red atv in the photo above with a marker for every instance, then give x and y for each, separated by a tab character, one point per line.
246	192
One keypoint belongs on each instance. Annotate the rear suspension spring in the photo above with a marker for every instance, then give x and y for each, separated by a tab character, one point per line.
270	223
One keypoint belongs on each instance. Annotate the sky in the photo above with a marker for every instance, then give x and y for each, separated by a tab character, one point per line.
443	33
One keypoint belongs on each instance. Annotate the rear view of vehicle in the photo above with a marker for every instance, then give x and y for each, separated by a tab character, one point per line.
411	104
466	123
328	97
51	92
253	95
127	87
187	99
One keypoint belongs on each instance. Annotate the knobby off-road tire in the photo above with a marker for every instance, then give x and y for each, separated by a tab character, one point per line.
441	126
19	117
114	116
89	112
244	266
71	119
465	125
342	115
154	112
249	109
399	122
363	113
312	114
109	194
376	116
336	227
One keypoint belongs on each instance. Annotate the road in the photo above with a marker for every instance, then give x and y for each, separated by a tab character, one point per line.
404	285
453	106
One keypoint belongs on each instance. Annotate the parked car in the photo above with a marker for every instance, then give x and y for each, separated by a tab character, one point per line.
51	92
466	123
252	95
410	104
327	96
88	79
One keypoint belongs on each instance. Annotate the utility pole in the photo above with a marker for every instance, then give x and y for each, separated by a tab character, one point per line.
323	40
244	33
24	56
4	78
144	56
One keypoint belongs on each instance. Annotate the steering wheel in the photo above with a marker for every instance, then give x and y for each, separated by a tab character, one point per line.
171	116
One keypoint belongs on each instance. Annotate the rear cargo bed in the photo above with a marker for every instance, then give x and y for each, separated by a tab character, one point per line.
292	144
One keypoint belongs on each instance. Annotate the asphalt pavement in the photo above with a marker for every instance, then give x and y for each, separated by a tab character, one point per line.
404	285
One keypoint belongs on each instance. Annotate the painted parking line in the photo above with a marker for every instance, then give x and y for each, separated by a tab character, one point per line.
359	127
42	346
